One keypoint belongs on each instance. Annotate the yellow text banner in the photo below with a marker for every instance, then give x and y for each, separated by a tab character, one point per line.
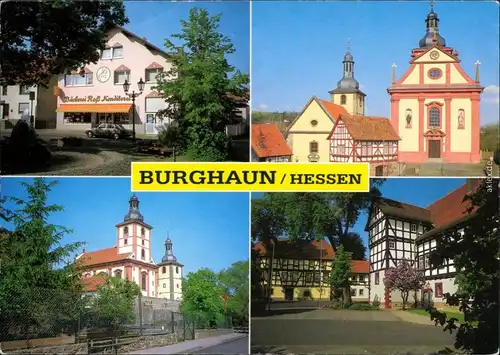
264	177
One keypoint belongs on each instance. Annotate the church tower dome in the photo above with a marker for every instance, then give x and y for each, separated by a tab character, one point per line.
432	36
133	210
347	93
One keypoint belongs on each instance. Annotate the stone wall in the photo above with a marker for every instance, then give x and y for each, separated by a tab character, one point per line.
208	333
155	311
139	343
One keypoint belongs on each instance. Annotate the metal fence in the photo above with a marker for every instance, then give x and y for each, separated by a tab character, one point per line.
40	314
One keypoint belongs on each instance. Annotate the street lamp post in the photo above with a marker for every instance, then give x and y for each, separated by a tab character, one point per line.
133	95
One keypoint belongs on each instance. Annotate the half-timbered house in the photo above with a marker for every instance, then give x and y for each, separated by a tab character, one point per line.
398	231
301	270
365	139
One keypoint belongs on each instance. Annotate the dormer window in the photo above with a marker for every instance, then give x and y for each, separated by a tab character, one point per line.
115	52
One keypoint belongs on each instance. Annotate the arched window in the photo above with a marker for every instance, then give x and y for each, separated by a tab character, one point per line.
343	99
143	231
313	147
125	241
125	230
143	254
434	117
143	281
118	273
176	269
164	270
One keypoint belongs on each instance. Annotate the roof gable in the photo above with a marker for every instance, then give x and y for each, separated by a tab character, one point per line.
101	256
323	112
267	141
443	57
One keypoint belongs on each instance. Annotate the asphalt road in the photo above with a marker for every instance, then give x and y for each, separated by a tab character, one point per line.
290	335
237	346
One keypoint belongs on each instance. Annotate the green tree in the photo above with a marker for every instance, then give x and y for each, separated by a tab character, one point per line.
475	253
341	271
114	305
202	298
43	38
171	137
354	243
39	287
199	86
234	283
489	137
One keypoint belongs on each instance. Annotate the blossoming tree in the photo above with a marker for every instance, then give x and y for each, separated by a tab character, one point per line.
405	278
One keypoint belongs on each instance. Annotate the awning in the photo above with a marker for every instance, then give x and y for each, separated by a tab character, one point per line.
101	108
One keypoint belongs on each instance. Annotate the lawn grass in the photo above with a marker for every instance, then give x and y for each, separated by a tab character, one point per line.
449	314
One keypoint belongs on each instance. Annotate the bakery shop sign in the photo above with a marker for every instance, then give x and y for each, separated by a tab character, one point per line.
96	99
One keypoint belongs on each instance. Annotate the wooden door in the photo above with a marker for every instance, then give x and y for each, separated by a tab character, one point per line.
434	149
289	294
5	111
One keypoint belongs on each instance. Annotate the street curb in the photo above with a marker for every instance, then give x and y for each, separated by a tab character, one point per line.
209	346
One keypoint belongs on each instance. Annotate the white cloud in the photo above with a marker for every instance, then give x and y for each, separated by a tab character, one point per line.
492	89
262	107
491	93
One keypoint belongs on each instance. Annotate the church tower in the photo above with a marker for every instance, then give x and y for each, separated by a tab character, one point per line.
435	104
133	234
347	93
169	274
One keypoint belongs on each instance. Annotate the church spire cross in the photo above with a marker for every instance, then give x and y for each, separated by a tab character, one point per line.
432	5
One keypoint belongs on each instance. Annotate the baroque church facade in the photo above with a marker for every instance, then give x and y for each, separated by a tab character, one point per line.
435	104
131	259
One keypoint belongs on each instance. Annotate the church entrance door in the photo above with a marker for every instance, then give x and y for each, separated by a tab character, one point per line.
434	149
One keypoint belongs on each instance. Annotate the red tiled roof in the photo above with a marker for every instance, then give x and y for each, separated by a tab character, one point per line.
452	207
154	65
122	68
267	141
300	249
101	257
360	266
368	128
90	284
334	110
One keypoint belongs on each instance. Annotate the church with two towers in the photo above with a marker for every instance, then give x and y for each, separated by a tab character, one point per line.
434	114
131	259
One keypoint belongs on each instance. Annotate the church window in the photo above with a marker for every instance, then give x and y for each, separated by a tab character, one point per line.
143	231
118	273
434	117
143	254
143	281
314	123
435	73
125	230
125	241
176	269
143	242
177	285
313	147
343	99
164	270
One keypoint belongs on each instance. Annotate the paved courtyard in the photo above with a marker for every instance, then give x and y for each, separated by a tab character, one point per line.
344	331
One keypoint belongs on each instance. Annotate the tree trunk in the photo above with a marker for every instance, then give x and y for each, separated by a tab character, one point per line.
346	296
404	296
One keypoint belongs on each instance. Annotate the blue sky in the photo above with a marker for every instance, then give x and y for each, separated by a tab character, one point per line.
298	47
425	192
207	229
158	20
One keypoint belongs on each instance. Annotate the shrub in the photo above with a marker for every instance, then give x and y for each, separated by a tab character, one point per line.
362	307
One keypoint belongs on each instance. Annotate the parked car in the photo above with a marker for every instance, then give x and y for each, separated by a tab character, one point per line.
109	130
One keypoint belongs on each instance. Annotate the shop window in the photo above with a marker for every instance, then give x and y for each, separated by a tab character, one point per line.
112	53
121	118
23	106
121	76
78	80
151	74
77	117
